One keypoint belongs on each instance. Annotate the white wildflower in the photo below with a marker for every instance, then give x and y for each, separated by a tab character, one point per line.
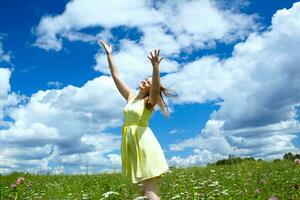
215	183
176	197
225	192
107	194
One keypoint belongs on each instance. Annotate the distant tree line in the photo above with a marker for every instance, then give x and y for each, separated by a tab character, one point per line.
291	156
235	159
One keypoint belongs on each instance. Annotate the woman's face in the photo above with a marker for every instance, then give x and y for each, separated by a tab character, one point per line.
145	85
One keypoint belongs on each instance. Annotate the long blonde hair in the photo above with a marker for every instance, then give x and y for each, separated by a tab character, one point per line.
161	103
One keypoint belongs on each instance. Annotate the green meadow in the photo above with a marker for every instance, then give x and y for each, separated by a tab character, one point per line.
250	179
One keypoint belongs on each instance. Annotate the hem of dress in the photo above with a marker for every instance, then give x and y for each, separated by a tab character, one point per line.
145	178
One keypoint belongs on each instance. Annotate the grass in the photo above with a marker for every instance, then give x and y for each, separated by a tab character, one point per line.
246	180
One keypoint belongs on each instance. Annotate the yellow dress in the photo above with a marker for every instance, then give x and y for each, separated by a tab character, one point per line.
142	155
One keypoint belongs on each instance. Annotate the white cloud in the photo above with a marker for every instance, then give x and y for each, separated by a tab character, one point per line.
55	84
7	98
211	138
176	131
179	24
200	157
36	134
155	37
64	127
78	36
202	23
4	56
106	14
27	152
200	80
4	81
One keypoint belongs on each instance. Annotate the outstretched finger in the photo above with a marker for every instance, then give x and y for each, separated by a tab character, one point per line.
149	58
155	52
158	52
151	54
161	59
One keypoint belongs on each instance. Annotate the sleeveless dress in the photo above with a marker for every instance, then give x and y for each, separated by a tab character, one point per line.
141	154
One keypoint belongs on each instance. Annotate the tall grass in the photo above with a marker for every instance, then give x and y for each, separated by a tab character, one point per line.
246	180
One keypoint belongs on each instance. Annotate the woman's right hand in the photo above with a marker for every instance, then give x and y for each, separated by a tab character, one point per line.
108	49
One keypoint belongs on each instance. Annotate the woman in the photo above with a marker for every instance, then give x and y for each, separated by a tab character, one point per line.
142	156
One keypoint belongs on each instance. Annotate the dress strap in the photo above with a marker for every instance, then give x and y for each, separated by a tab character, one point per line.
131	99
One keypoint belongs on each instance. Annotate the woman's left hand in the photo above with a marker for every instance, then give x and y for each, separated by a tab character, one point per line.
155	60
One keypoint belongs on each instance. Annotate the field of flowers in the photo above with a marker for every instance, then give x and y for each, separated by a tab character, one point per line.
248	180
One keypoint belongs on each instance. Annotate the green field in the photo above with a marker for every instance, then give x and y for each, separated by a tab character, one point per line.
246	180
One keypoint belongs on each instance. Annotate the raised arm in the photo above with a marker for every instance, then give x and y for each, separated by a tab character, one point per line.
125	91
155	86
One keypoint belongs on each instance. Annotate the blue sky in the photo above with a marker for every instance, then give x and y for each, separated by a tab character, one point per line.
237	85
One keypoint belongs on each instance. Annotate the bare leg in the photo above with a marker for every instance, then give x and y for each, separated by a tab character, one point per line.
149	188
